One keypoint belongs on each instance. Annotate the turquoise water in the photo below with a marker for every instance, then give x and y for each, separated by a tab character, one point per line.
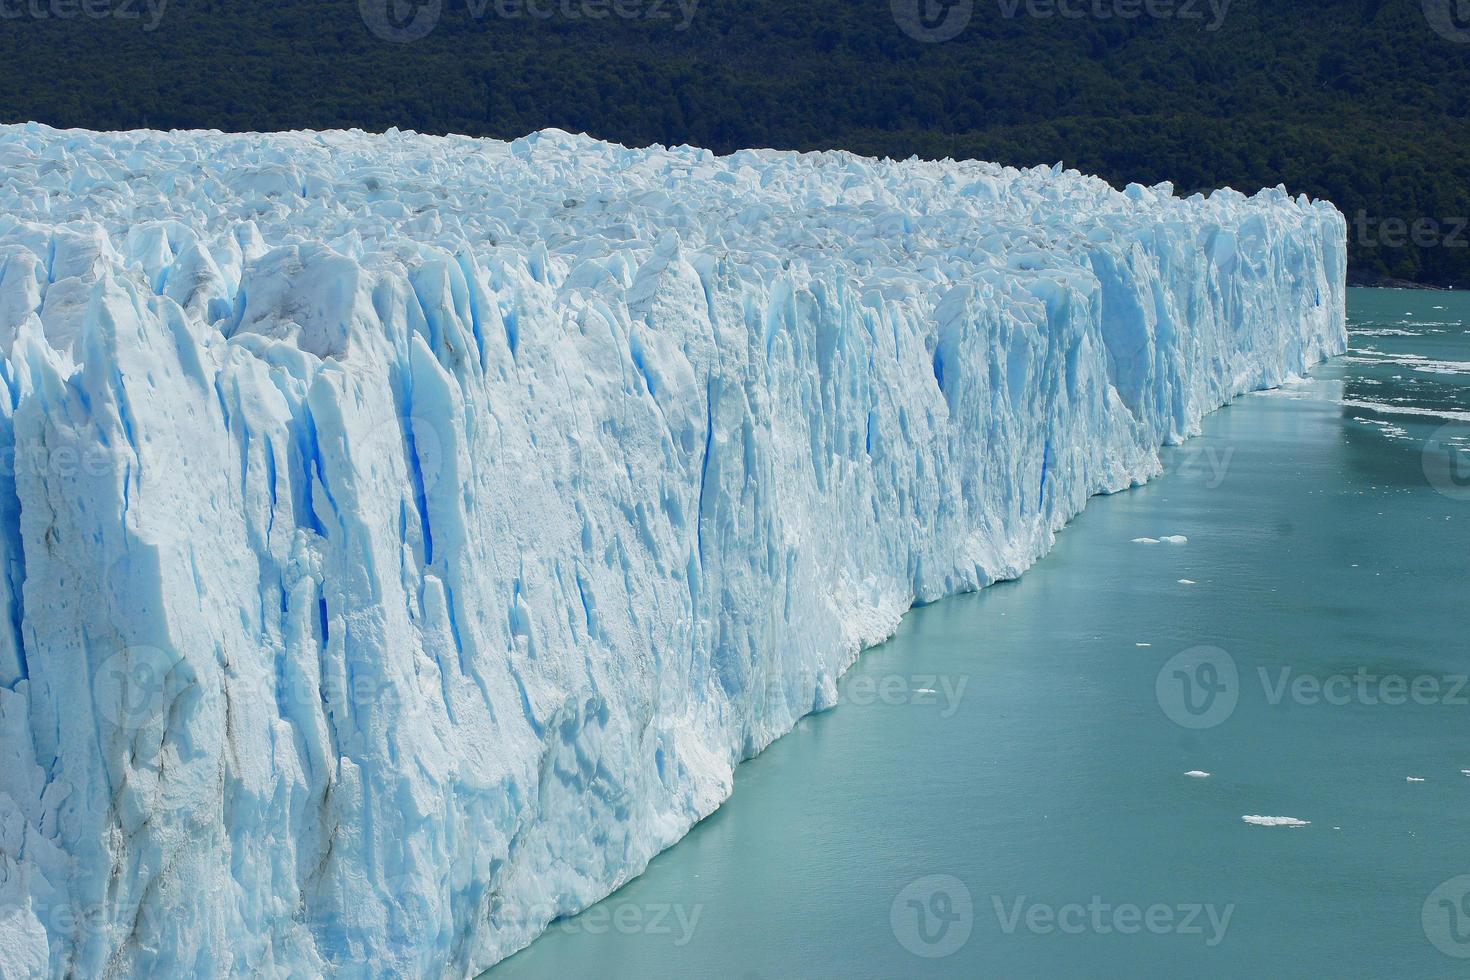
1032	817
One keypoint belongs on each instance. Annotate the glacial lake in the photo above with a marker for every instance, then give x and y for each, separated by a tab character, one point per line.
1307	648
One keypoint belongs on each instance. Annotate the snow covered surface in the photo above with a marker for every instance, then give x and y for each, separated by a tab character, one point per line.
406	537
1259	821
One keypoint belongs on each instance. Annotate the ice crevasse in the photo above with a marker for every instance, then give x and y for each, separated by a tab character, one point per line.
402	538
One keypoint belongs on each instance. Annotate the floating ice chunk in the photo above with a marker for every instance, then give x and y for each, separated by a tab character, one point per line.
1276	821
1442	413
1415	779
1420	363
1145	540
1175	539
1291	394
1197	774
1186	581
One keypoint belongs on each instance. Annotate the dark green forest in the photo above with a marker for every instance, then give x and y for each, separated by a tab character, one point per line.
1363	102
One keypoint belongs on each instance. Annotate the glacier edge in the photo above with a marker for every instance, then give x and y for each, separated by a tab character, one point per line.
405	537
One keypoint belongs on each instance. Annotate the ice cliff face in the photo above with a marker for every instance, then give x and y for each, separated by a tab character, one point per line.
403	538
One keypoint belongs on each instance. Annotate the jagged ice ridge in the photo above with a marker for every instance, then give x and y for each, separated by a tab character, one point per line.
404	538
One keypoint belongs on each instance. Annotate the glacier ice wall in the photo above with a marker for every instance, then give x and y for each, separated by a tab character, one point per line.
403	538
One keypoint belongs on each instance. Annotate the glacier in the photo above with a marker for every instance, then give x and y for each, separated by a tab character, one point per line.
405	537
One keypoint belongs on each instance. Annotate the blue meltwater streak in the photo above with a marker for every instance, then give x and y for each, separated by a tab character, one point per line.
1045	465
1032	817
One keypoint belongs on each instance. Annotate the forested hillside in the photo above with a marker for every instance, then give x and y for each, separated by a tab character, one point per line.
1364	102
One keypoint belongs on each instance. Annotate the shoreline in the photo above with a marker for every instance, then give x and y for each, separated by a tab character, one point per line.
1369	282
